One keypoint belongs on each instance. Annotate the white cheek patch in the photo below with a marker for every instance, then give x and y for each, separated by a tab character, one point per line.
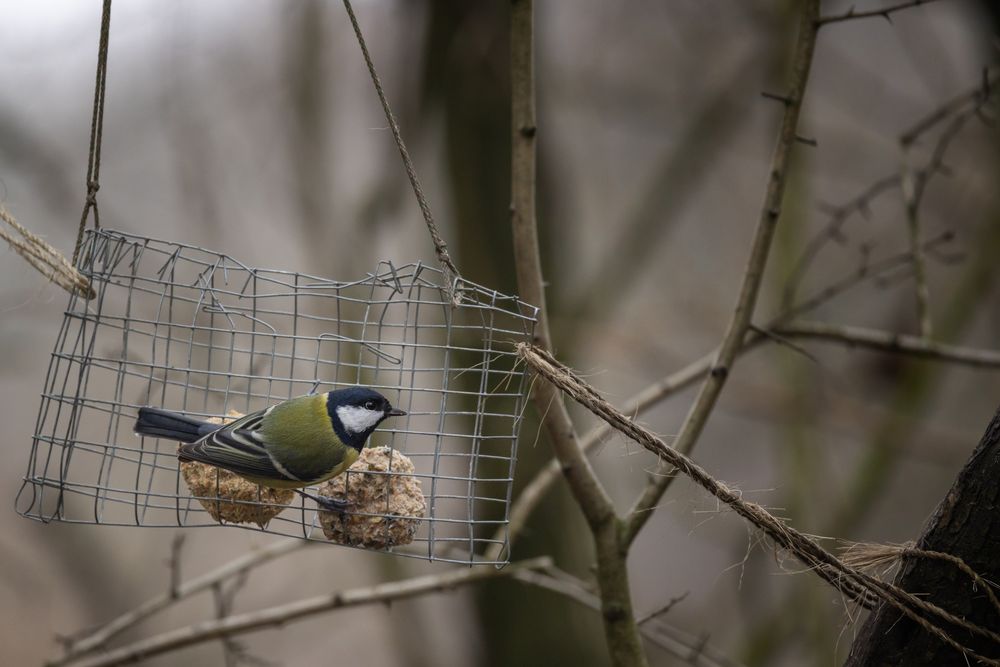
358	420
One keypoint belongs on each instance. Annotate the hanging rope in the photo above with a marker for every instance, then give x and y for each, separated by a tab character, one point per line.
451	272
96	130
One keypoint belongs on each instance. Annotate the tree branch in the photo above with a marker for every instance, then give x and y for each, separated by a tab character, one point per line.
231	626
887	341
620	629
681	645
99	637
583	482
885	13
976	96
911	205
739	324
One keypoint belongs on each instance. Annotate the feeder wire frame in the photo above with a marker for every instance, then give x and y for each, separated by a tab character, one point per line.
195	331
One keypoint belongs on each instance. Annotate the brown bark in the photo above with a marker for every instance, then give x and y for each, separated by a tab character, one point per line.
965	524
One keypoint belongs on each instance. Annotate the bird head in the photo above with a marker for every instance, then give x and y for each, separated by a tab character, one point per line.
358	411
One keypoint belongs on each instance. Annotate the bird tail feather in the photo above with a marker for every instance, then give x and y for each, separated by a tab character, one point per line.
158	423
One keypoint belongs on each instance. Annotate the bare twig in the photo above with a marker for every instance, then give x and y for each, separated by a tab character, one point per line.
913	185
886	341
913	182
174	563
885	12
234	652
681	645
911	205
832	231
866	271
98	638
976	95
232	626
663	609
767	221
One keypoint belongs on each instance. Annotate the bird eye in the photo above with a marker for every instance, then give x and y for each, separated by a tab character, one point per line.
369	405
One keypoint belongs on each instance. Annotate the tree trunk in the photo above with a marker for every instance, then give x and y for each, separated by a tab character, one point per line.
966	524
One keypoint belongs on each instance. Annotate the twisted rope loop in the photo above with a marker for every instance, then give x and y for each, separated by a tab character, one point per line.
96	132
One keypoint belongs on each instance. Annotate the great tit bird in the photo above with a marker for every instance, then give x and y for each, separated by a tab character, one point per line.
302	441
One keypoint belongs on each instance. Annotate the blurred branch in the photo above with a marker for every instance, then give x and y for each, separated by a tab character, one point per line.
231	626
914	183
679	644
832	231
532	494
664	609
674	182
767	220
913	186
96	639
234	652
977	95
174	562
866	270
887	341
885	12
621	633
911	205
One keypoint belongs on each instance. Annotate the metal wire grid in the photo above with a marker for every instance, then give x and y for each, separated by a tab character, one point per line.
194	331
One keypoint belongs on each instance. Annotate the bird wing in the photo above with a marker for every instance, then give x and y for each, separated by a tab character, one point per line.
238	447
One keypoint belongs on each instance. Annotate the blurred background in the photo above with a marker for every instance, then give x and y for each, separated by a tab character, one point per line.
251	127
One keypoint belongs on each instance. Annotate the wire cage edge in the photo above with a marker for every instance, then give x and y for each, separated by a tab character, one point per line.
396	323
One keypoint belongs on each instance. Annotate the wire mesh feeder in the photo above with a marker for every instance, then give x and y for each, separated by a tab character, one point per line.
198	332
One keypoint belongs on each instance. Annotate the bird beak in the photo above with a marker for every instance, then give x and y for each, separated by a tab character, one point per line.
396	412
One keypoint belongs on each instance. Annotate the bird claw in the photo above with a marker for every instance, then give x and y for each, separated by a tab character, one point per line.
328	504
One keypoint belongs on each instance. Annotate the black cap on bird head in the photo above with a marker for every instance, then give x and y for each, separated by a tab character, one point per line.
356	411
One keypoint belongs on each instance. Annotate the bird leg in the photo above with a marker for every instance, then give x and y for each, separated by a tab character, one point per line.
329	504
